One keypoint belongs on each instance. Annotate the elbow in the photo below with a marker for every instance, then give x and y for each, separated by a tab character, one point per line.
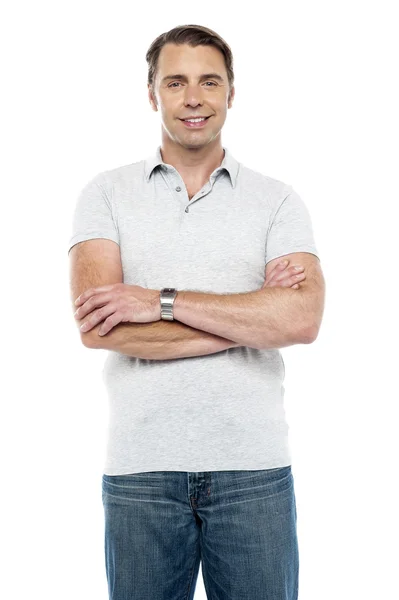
86	341
86	337
92	342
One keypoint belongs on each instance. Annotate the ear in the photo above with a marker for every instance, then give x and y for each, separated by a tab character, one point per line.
231	97
152	98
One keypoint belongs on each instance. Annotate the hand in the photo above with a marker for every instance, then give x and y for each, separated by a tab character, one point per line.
284	276
118	303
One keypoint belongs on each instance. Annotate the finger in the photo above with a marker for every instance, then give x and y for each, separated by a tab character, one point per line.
287	280
97	316
91	291
109	323
295	279
91	304
298	277
292	271
277	269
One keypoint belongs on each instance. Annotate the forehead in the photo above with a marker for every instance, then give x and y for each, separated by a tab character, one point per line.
189	60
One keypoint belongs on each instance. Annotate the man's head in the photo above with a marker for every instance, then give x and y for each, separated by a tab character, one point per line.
205	86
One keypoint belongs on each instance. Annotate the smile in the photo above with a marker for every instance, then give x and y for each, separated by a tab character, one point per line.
196	124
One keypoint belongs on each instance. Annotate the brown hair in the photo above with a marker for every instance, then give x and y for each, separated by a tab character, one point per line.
194	35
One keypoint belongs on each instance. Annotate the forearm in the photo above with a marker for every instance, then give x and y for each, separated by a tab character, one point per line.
160	340
272	317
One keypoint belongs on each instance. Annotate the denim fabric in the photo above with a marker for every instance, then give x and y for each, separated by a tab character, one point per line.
241	526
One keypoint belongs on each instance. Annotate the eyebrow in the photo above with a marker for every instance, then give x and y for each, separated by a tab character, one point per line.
203	76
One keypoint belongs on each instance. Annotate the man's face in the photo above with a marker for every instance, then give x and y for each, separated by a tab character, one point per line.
192	94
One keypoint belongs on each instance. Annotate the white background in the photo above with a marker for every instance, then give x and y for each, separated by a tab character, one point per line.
316	107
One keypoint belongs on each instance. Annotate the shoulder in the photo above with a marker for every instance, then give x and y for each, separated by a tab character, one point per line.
272	189
121	180
126	172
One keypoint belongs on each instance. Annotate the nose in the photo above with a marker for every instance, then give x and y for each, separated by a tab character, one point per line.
193	95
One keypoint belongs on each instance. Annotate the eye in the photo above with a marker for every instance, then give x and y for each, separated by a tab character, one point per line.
178	83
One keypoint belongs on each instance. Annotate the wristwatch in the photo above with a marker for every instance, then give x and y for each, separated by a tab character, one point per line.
167	298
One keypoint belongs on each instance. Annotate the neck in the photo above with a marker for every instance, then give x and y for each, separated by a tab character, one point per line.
194	164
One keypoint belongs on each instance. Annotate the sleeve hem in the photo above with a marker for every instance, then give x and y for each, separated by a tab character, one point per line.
91	236
309	249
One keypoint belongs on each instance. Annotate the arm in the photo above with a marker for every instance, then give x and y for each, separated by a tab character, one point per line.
96	262
161	340
267	318
272	317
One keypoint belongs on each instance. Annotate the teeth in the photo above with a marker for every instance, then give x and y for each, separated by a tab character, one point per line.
195	120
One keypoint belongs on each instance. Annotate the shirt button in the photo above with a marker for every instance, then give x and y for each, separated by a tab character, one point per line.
178	189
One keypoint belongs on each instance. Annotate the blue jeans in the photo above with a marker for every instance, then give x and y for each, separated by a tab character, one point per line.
241	526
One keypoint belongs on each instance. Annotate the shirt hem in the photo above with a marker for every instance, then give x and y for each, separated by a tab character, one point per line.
194	468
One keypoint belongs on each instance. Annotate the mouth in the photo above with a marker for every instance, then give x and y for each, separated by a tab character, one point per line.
195	124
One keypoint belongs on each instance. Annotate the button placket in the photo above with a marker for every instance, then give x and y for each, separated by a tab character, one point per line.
195	199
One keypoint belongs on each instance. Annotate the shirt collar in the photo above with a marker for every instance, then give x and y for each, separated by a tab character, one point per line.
229	163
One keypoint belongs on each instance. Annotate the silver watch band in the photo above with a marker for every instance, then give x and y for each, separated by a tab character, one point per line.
167	297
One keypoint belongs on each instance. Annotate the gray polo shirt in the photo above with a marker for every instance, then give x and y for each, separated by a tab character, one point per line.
222	411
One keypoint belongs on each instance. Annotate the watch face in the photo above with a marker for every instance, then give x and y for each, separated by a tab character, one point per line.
168	290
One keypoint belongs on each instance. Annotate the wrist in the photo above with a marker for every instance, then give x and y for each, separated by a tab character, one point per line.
156	305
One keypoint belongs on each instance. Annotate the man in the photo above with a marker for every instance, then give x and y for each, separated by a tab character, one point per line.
168	260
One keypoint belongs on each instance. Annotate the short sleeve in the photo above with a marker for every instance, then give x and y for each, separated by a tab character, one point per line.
93	215
291	229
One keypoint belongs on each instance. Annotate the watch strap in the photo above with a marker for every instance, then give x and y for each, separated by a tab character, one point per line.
167	297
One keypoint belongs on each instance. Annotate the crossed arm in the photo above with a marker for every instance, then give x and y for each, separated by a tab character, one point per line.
160	340
273	317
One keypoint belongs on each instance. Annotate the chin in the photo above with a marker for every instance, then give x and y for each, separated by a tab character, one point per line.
196	143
